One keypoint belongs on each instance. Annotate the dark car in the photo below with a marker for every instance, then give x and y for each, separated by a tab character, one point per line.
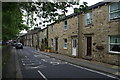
19	46
13	43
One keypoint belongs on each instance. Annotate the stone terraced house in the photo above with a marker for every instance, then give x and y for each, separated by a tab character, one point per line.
36	37
63	35
100	33
31	37
94	35
42	38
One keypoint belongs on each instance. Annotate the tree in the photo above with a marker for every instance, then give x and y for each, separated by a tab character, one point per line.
11	20
48	12
51	11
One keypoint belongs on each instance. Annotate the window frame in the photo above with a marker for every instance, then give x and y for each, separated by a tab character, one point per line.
109	44
65	43
65	25
86	18
52	28
52	43
114	18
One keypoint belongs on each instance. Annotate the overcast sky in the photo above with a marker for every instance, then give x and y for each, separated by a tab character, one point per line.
90	2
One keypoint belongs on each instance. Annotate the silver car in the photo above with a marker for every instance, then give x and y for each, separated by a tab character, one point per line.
19	46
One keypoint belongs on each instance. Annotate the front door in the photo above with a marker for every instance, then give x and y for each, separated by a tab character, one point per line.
56	44
74	43
89	46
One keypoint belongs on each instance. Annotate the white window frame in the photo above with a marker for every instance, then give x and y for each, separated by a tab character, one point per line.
113	12
86	18
65	25
65	43
109	46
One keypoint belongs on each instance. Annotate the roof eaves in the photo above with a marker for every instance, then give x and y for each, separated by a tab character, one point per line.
98	4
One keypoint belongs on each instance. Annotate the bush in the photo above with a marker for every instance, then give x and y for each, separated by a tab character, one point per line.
48	47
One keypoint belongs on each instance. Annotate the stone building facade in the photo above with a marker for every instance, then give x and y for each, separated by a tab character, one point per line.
42	38
30	38
100	33
62	35
94	35
36	37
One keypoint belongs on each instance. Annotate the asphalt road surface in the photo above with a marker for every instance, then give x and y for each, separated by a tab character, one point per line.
33	64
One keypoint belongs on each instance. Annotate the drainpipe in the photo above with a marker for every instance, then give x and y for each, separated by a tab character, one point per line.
78	22
78	34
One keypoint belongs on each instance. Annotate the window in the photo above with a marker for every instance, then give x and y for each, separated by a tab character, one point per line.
65	43
114	44
114	10
52	28
88	18
74	43
65	25
51	42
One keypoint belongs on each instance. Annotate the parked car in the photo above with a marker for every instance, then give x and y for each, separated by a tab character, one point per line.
19	46
13	43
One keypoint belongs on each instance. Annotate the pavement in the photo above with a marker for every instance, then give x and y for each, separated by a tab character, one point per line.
0	61
9	64
98	66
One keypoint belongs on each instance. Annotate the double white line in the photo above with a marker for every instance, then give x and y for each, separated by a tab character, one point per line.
94	71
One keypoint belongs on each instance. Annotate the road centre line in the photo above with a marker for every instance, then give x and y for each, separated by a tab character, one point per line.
42	75
94	71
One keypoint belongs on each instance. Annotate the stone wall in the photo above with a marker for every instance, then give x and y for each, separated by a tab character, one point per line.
42	34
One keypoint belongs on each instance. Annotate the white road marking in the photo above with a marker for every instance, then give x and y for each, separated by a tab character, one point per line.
47	56
23	64
44	60
42	75
94	71
53	58
54	63
31	64
35	67
20	50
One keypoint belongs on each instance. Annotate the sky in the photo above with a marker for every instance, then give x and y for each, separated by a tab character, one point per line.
90	2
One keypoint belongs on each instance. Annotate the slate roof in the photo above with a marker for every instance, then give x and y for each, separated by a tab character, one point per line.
75	14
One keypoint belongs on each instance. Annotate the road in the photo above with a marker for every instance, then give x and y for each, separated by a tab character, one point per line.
33	64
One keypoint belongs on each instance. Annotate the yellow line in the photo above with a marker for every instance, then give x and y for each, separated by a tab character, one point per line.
117	73
116	67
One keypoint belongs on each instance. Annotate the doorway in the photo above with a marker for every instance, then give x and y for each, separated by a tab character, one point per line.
56	44
89	46
74	43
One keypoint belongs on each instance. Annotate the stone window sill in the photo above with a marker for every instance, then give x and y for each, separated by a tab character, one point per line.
114	20
65	48
88	25
114	53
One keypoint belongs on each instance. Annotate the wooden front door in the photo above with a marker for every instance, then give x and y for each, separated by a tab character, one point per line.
89	46
56	44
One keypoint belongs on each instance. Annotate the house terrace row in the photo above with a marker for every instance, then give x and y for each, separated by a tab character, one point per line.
94	35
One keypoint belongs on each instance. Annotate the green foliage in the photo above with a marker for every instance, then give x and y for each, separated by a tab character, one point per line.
47	47
11	20
12	13
51	11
